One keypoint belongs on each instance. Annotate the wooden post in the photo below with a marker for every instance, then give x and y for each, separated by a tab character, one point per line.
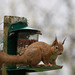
7	22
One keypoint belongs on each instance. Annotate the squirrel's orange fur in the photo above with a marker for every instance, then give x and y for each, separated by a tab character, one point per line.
40	51
36	52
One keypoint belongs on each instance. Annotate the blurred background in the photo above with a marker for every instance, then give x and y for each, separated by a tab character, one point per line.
51	17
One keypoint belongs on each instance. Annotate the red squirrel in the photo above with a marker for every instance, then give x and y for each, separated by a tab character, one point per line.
36	52
41	51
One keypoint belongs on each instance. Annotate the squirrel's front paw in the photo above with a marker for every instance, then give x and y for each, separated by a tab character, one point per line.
49	65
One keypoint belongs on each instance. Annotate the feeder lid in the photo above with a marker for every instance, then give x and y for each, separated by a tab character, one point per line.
20	26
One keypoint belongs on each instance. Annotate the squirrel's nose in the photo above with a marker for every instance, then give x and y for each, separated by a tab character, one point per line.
60	53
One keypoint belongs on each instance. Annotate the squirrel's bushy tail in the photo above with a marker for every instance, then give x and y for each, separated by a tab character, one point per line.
10	59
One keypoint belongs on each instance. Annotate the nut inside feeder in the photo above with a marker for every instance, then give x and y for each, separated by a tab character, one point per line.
25	38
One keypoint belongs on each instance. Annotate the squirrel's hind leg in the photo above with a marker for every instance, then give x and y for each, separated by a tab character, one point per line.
34	58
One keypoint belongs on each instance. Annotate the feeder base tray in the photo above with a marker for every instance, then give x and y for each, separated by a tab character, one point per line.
36	69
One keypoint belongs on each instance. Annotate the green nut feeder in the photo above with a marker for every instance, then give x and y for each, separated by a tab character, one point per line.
19	37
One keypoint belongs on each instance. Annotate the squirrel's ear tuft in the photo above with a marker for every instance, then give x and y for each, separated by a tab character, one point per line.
55	41
63	41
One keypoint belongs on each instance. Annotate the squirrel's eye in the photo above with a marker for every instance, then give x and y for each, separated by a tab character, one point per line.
56	47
